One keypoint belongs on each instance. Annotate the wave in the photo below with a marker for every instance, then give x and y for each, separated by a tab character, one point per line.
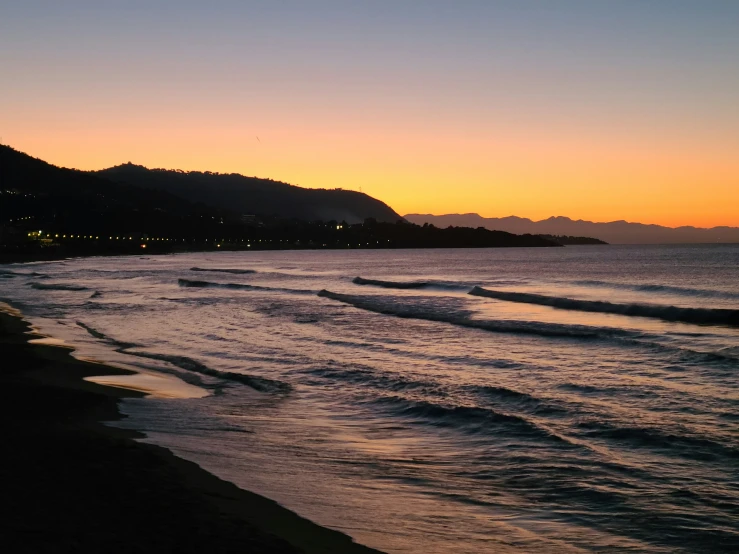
670	289
375	379
516	400
521	400
717	316
392	307
504	392
387	306
686	354
8	274
730	352
225	270
188	283
305	320
102	336
407	284
262	384
42	286
463	319
586	389
688	446
471	419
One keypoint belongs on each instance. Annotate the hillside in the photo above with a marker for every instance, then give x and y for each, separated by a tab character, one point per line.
77	201
254	196
49	212
614	232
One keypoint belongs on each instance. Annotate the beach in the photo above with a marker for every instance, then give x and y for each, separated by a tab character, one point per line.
417	401
73	484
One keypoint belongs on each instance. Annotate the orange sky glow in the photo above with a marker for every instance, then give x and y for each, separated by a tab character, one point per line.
452	123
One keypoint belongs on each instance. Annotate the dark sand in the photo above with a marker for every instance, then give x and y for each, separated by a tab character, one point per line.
71	484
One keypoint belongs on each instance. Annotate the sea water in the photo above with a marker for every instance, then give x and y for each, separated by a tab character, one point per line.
488	400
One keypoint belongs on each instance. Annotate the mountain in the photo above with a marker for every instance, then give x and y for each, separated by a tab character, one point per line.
614	232
49	212
33	188
254	196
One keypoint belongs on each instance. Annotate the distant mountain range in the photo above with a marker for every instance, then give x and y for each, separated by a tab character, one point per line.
254	196
614	232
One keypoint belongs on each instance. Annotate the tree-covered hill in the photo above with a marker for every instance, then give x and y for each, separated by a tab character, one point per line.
254	196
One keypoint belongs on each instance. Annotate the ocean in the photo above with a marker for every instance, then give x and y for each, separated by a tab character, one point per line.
578	399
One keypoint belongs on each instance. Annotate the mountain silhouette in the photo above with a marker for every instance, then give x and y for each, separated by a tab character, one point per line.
254	196
614	232
49	212
29	185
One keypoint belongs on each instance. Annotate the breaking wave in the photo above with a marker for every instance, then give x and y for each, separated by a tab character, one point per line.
408	284
102	336
224	270
261	384
188	283
668	313
462	318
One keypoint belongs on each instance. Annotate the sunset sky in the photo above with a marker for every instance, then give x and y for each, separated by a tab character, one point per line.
601	110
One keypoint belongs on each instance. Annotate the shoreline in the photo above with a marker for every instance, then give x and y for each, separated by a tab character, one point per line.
55	256
75	484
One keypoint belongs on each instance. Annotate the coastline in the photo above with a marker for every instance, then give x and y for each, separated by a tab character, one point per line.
75	484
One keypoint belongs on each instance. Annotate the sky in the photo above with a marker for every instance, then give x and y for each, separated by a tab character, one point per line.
592	109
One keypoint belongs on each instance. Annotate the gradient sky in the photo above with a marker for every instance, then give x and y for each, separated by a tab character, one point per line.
593	109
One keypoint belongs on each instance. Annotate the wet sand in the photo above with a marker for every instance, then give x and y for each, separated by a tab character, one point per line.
72	484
